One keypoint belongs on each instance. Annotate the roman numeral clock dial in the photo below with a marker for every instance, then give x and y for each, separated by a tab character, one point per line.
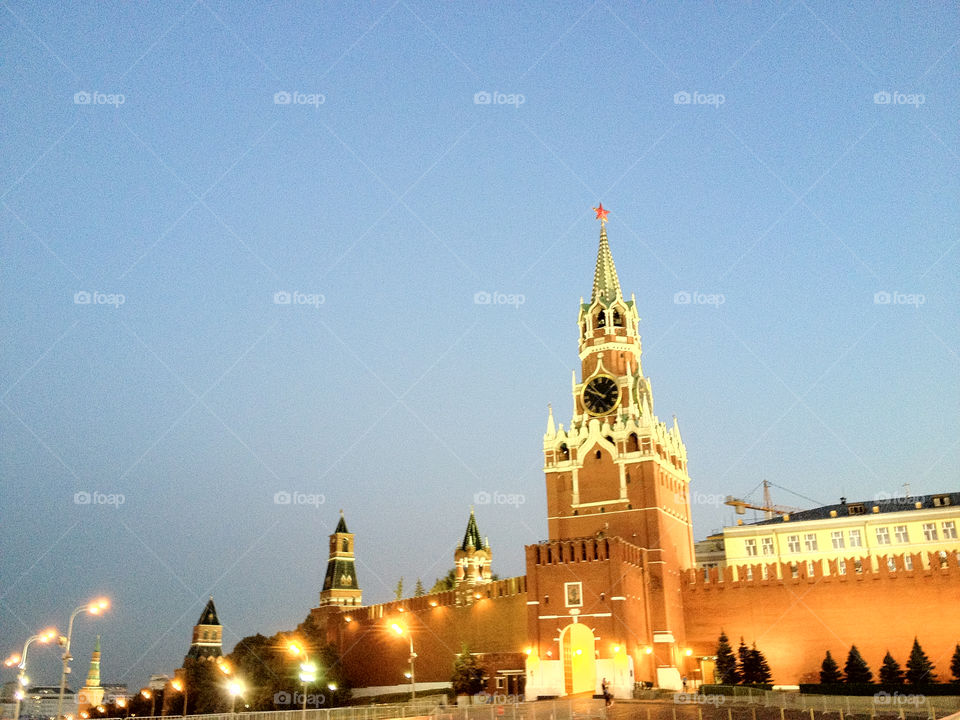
600	395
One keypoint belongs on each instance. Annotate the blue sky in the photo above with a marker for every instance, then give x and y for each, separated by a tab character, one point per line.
804	199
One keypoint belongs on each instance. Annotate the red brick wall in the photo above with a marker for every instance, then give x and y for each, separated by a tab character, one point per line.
795	621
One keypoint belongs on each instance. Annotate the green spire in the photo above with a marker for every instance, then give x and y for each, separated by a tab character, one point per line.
472	536
342	525
93	676
606	284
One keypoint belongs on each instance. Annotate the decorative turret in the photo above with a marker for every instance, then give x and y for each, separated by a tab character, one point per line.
472	561
207	635
340	585
91	694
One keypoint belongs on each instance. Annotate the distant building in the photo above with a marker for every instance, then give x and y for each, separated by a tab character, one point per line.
115	691
41	701
158	681
91	694
207	636
340	586
709	552
876	529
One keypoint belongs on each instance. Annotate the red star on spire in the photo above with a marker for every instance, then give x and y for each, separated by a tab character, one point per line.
601	213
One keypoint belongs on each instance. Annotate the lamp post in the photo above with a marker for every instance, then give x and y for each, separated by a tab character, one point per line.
399	630
308	673
234	687
94	608
152	697
22	680
181	687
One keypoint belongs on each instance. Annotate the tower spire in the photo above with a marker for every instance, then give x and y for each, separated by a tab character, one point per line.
606	284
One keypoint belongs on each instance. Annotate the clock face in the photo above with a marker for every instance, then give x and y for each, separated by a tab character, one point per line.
601	395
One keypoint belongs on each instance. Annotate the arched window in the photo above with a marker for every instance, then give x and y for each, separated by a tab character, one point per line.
346	545
601	319
617	318
564	452
633	444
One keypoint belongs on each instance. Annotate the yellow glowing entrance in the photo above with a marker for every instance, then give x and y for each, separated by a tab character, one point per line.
578	648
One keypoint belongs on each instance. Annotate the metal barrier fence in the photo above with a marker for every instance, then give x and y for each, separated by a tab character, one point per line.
574	709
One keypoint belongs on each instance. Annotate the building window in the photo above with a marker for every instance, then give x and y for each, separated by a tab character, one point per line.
810	570
810	540
749	572
858	566
883	536
842	566
949	530
766	544
856	540
764	572
908	562
891	565
930	531
941	500
574	594
751	546
855	509
501	682
793	543
794	570
900	533
836	537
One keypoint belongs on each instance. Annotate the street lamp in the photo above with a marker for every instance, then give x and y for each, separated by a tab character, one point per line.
308	673
94	608
181	687
399	630
22	680
234	687
152	697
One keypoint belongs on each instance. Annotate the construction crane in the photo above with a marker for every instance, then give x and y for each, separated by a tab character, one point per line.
769	509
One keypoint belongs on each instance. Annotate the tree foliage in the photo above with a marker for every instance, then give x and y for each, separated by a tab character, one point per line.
467	676
754	670
890	672
447	582
418	591
830	671
955	664
856	669
726	661
919	667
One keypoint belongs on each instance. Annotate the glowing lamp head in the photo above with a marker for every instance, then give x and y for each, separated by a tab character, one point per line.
348	619
19	695
85	715
397	629
688	652
121	702
294	649
235	688
48	635
177	685
101	708
529	651
146	694
12	660
332	687
579	651
616	648
648	650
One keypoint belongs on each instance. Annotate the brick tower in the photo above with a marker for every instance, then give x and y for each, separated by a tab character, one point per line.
617	493
207	641
340	583
472	562
91	694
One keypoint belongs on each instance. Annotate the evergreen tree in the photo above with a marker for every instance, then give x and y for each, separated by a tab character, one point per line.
955	664
743	659
830	671
467	676
919	667
398	593
726	661
856	668
890	672
447	582
757	671
418	591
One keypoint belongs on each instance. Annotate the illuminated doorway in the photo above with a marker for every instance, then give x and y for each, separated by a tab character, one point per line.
578	646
